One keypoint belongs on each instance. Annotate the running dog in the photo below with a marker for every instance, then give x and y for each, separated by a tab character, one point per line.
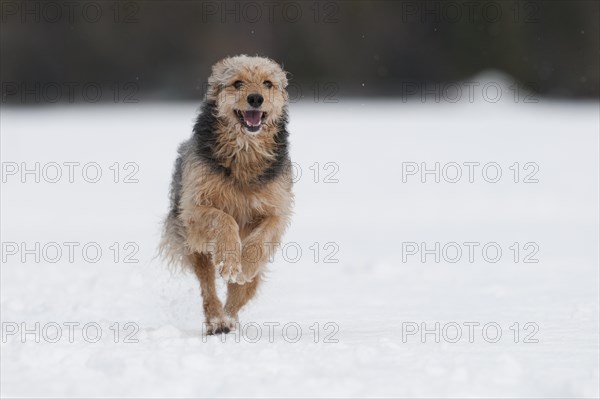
231	192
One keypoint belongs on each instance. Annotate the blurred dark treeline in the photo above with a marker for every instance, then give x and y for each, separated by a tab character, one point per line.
163	49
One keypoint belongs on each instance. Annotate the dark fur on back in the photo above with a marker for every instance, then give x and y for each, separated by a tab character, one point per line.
205	138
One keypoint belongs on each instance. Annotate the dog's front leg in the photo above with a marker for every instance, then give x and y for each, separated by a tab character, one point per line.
214	232
259	245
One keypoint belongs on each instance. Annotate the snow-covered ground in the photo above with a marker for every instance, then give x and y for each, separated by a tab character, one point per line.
351	293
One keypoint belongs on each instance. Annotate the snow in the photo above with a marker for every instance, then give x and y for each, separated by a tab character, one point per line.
367	304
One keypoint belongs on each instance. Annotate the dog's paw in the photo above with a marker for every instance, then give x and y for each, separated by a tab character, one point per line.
228	261
220	325
249	273
230	270
253	256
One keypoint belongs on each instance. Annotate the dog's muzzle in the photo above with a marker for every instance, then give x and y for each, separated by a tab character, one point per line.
252	120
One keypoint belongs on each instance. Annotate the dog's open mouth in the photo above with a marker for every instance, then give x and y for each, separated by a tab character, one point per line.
252	120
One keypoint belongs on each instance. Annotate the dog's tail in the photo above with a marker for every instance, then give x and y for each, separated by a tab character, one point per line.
172	246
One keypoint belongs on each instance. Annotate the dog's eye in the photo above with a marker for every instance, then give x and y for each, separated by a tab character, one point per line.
237	84
268	84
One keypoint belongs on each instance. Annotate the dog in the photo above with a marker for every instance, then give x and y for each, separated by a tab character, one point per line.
231	192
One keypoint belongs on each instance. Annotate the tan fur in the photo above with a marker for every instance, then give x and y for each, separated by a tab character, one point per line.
231	224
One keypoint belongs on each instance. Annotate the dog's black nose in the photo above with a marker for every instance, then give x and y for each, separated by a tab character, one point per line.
255	100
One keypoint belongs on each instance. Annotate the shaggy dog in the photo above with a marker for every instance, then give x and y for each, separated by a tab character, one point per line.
231	193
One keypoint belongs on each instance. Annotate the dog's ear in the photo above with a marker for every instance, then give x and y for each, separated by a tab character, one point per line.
282	77
219	77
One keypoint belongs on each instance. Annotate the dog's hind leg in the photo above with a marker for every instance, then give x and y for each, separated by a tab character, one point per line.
216	322
238	295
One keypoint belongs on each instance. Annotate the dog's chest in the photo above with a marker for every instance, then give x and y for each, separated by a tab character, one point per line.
245	205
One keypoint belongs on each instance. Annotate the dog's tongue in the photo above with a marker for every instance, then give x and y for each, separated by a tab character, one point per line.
252	118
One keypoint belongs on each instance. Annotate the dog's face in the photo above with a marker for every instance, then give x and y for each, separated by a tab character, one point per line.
249	92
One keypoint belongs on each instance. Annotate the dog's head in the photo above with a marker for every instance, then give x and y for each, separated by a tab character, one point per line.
249	93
